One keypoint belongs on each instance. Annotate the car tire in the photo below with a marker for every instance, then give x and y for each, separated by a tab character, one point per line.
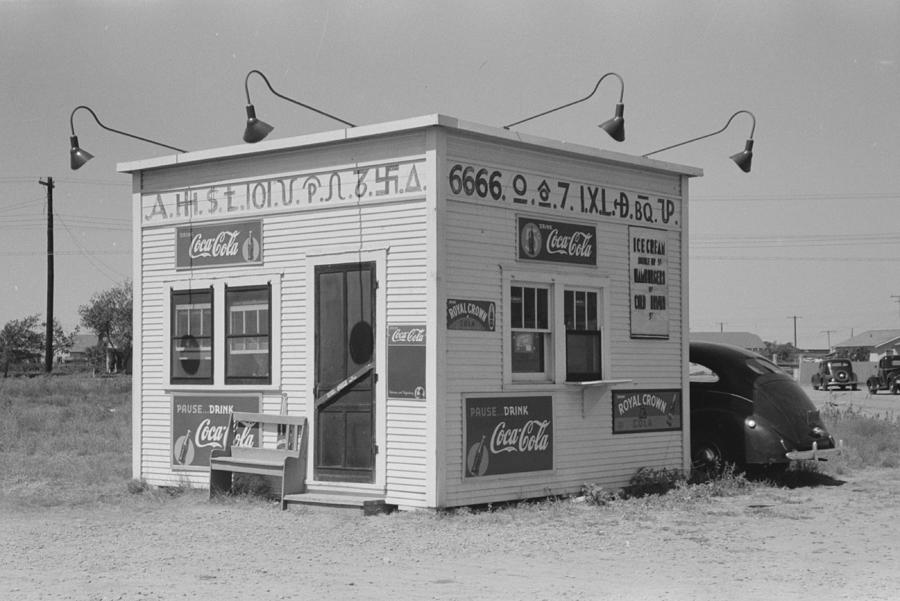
708	458
895	387
873	387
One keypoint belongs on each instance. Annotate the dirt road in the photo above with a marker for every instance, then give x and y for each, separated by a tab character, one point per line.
827	542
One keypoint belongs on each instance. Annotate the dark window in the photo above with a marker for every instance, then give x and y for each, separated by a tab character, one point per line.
248	345
583	339
192	337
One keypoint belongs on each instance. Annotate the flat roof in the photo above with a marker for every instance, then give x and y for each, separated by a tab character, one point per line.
404	125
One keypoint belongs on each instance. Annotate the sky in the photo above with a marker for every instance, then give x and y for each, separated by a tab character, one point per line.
809	238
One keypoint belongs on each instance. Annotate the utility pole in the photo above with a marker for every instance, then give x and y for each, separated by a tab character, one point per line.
896	298
48	339
721	326
795	318
828	333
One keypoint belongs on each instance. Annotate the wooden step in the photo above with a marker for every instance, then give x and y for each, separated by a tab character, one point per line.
369	504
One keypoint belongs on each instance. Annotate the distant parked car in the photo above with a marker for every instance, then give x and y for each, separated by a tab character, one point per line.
747	411
886	376
834	373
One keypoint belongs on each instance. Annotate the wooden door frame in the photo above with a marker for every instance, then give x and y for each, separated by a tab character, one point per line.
378	256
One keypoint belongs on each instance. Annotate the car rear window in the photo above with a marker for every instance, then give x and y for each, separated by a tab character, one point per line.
762	366
701	373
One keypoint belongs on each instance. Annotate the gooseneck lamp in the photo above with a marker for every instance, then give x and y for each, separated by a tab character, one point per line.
78	156
257	129
742	159
615	127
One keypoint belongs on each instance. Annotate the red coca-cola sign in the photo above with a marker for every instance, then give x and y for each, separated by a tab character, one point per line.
232	243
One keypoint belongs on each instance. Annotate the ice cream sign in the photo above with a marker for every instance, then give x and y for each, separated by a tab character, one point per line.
216	245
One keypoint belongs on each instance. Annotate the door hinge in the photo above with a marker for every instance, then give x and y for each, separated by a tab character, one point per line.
374	449
375	376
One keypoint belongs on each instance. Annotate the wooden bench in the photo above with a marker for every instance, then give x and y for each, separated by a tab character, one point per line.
243	452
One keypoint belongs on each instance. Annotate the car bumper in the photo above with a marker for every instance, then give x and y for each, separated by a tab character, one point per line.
817	454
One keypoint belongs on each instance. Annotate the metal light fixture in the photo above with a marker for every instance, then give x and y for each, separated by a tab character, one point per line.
257	129
615	127
79	156
742	159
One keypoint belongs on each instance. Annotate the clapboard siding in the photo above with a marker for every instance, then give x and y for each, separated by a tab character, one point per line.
481	242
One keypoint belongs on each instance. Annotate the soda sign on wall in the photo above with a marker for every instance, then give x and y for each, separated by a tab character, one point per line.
508	434
406	361
232	243
199	423
556	241
646	410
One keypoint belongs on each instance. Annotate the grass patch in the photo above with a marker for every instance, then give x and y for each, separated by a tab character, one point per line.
869	441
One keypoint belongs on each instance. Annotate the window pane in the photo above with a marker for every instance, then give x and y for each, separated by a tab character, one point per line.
543	309
515	309
529	320
247	353
527	352
583	356
569	309
191	350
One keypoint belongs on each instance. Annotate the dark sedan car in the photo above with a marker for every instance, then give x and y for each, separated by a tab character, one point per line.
834	373
747	411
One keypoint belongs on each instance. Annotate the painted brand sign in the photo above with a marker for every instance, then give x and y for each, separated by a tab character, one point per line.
471	315
235	243
304	190
199	423
646	410
648	276
506	435
406	361
555	241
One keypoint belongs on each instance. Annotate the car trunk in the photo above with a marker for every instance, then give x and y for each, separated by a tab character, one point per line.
780	400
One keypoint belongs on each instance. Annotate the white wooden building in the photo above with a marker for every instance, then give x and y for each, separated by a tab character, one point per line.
464	314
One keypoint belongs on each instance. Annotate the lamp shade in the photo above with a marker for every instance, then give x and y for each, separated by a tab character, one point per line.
256	129
77	156
744	158
615	127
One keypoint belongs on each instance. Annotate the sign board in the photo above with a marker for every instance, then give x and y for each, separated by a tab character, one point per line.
217	245
199	422
648	269
556	241
646	411
406	362
471	315
508	434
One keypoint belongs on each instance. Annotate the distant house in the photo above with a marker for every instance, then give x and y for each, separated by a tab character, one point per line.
876	342
78	353
745	340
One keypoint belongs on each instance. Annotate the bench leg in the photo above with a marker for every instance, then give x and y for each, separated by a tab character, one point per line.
219	482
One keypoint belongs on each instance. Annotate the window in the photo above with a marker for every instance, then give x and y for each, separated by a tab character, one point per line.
192	337
554	328
248	350
530	328
582	336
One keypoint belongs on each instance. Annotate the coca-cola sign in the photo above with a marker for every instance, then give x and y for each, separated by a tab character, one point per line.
199	423
508	434
406	361
559	242
233	243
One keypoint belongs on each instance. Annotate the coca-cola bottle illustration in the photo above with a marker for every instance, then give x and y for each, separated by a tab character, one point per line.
184	447
477	455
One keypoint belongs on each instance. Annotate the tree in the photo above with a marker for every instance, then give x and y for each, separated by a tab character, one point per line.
782	353
20	342
108	315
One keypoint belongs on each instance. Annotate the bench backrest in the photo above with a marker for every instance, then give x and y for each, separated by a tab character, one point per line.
289	435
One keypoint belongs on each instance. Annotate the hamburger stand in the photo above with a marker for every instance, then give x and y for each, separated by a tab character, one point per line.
458	314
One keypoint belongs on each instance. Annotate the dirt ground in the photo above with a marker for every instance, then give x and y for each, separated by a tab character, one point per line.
825	542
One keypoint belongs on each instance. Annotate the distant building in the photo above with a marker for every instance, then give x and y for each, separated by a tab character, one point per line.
78	353
745	340
876	342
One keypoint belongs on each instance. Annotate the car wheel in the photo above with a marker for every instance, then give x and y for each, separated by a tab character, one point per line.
873	387
707	458
895	387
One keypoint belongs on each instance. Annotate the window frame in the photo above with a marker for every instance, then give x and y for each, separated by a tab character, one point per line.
557	283
173	327
545	334
229	336
218	286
